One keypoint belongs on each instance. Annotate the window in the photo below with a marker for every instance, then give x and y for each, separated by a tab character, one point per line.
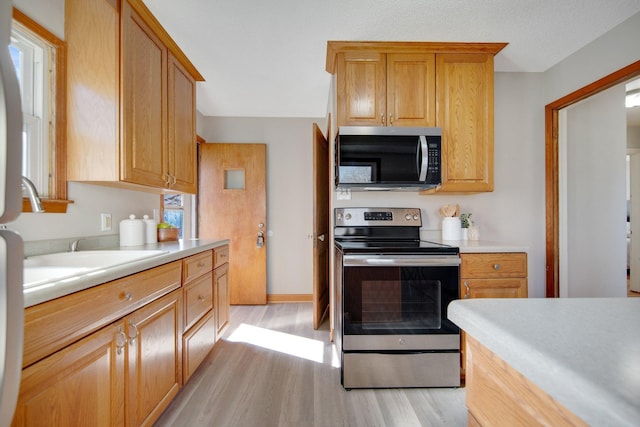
173	210
31	57
39	59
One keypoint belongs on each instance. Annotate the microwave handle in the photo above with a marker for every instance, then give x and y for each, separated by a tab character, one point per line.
423	160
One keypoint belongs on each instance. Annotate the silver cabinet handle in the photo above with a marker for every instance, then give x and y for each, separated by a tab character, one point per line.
382	119
496	266
200	298
121	340
390	119
128	296
466	285
132	339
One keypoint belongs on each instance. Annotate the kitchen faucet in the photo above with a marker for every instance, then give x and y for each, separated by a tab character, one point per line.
36	203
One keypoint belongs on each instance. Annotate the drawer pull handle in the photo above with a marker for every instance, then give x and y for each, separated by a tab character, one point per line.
200	264
121	341
466	285
496	266
133	328
128	296
200	298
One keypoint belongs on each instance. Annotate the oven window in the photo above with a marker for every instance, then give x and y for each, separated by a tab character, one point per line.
384	300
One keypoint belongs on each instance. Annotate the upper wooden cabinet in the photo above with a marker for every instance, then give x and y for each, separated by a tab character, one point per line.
131	109
386	89
448	85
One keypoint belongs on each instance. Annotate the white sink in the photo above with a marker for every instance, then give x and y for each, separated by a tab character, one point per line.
65	265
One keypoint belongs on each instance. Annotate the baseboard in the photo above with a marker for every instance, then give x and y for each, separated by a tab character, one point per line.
283	298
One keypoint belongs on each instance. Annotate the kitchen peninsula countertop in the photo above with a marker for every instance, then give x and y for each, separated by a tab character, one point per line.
175	250
583	352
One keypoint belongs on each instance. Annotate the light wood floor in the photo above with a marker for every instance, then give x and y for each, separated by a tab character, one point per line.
242	384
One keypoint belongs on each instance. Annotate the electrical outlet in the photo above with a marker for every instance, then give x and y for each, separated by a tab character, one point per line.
105	222
344	194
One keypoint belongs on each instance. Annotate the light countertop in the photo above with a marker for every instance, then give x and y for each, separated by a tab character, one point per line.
481	246
175	250
583	352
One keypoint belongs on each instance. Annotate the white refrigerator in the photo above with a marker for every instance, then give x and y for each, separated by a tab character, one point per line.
11	247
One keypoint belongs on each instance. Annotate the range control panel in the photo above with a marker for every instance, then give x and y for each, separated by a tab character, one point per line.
388	217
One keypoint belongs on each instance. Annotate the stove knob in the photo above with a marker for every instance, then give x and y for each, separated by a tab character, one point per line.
339	217
347	216
407	217
416	217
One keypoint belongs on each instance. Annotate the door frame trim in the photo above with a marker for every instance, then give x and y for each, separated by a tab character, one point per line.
551	166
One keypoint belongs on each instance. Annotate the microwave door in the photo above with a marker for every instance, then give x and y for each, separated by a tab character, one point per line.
423	158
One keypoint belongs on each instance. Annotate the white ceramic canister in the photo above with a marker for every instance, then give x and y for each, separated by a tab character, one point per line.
131	232
150	230
451	229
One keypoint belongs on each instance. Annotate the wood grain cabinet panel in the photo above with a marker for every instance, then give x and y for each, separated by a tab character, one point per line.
196	265
464	88
198	299
491	275
81	385
386	89
221	290
131	110
197	343
154	335
52	325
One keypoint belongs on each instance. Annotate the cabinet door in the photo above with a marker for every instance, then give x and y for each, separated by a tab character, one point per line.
464	88
155	358
182	128
494	288
80	385
221	285
144	89
411	85
361	85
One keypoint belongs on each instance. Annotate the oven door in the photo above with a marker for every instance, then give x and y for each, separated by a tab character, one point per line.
393	302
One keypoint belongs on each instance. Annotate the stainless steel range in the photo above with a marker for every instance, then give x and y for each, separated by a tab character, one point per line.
392	292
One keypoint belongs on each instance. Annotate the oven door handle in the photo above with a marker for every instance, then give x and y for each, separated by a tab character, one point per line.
401	261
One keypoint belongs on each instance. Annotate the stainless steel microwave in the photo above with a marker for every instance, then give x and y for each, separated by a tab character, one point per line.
388	158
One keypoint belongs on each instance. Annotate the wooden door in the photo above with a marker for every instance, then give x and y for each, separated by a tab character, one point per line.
411	86
464	88
320	226
181	131
155	358
361	84
144	90
233	205
80	385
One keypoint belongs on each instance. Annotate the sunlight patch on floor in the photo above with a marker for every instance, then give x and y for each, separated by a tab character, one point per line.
305	348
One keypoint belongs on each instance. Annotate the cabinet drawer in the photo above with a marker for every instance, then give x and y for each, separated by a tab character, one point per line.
491	265
197	343
198	297
220	256
55	324
196	265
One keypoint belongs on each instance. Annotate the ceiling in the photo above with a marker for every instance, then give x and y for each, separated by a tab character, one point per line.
267	58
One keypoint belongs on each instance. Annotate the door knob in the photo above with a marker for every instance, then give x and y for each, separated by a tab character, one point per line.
260	240
321	237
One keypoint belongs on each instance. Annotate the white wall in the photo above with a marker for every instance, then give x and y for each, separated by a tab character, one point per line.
593	224
83	216
289	192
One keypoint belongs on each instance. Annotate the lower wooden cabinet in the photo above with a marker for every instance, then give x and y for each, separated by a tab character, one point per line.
491	275
154	348
123	361
221	291
86	382
80	385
